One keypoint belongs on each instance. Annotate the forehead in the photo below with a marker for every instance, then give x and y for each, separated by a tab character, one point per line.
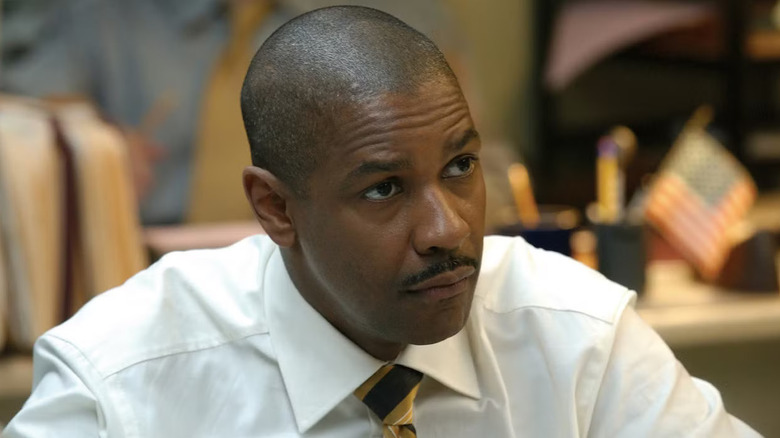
432	112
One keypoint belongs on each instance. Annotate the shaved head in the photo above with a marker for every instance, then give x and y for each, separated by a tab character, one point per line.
320	66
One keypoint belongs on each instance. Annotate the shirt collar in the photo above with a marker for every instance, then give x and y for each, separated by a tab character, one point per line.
308	347
450	362
320	366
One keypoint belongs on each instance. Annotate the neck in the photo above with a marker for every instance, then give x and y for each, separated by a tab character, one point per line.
385	351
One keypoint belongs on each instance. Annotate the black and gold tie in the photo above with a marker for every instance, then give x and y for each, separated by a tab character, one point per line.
390	394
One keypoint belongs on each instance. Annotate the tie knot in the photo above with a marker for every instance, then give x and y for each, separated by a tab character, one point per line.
390	393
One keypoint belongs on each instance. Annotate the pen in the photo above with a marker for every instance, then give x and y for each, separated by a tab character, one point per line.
610	181
520	182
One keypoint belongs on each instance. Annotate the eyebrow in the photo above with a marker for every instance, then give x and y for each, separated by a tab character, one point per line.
468	136
377	166
371	167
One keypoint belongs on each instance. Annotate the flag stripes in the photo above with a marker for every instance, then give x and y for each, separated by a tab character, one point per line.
700	193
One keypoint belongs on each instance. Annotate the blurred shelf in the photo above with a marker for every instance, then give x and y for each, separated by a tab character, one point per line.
731	45
164	239
763	45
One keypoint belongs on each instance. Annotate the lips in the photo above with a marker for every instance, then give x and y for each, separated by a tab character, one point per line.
444	280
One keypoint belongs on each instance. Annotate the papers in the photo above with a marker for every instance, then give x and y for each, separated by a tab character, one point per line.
111	247
30	217
68	220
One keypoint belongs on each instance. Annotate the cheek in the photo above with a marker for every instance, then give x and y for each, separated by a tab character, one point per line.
478	199
356	256
472	202
375	256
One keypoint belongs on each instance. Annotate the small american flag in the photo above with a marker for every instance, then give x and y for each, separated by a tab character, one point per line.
700	192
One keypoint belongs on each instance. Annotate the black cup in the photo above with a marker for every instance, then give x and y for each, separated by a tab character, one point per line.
622	254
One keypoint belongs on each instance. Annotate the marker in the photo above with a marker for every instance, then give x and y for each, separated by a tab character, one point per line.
610	181
626	142
520	182
583	248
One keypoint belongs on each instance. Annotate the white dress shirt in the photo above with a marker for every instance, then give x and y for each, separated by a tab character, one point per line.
219	343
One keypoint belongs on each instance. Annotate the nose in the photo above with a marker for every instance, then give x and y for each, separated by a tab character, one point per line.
439	226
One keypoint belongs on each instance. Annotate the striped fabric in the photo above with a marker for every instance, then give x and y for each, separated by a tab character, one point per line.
699	195
390	393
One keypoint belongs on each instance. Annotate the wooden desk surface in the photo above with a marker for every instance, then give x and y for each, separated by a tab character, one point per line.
687	313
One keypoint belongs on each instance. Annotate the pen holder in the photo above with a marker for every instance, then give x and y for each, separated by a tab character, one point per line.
556	224
622	255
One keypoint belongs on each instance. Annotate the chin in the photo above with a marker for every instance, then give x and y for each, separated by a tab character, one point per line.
426	334
428	340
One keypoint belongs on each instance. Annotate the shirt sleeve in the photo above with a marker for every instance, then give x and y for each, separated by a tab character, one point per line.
646	392
61	403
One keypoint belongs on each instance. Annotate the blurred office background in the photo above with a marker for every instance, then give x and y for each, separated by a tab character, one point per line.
102	143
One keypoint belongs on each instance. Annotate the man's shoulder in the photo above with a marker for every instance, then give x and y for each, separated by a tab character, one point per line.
187	301
516	275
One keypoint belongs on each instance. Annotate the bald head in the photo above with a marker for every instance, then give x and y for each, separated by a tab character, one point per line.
320	66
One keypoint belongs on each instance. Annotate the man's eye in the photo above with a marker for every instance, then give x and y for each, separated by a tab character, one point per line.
382	191
461	166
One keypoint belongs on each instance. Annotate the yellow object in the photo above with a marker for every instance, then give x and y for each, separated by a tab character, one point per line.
527	210
609	182
216	191
111	240
625	139
583	248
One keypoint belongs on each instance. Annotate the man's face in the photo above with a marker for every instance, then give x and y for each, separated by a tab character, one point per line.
390	236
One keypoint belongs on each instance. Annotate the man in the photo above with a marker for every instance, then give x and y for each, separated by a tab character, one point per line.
367	179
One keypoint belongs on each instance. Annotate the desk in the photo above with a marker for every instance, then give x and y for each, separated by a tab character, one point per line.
727	338
688	313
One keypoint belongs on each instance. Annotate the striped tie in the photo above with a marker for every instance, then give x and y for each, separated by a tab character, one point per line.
390	394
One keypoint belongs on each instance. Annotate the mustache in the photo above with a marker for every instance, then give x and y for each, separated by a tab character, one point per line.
450	264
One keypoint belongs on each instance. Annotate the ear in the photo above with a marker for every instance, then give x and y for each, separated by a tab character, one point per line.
269	199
